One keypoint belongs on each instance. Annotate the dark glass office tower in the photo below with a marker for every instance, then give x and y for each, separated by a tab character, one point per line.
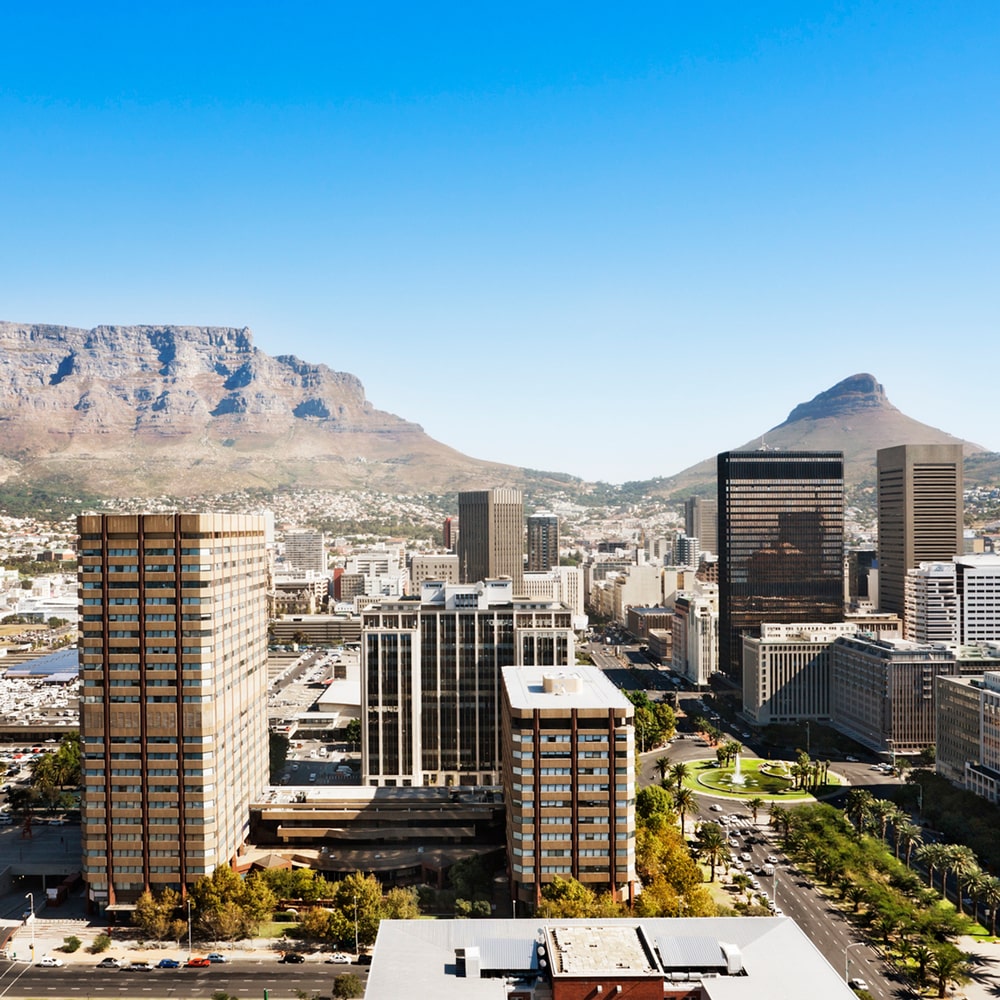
781	543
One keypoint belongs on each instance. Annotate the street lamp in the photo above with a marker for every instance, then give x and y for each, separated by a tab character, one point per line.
356	925
808	746
847	961
30	897
190	950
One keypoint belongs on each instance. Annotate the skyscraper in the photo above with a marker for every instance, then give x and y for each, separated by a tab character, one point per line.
491	540
305	551
701	521
173	658
543	542
781	543
919	514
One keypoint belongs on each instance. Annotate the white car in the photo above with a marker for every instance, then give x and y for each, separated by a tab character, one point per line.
339	958
858	984
48	962
715	807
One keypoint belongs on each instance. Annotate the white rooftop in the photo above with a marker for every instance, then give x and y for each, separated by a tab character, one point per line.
563	687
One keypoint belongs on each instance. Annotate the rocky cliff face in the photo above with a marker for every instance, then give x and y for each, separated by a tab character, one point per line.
142	409
847	398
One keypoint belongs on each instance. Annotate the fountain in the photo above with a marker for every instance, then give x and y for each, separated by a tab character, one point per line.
737	778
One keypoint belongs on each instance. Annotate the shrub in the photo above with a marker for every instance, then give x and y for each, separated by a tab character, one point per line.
101	943
71	944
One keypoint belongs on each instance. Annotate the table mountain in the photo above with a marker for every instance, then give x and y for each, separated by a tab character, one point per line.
142	410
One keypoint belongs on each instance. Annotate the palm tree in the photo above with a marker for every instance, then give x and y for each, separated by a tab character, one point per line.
882	811
683	801
912	836
962	863
932	856
780	819
661	764
991	896
756	804
711	843
856	894
678	773
858	800
921	954
977	886
948	965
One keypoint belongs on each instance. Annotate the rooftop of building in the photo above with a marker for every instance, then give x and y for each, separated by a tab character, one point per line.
561	687
725	958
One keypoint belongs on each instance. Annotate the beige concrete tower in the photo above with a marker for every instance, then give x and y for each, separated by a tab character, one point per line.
919	514
491	542
173	657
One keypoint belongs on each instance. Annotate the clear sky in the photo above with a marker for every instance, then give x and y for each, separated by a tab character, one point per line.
603	239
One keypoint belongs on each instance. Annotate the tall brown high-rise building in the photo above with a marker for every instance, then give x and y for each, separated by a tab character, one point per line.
920	513
491	540
781	543
543	542
173	658
701	521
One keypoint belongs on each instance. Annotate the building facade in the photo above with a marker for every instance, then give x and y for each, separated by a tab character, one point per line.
932	603
305	551
701	521
695	634
431	679
491	542
781	543
426	568
569	782
173	660
543	542
919	514
882	691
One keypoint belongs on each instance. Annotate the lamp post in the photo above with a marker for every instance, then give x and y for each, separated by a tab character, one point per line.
808	744
190	950
847	961
30	897
356	925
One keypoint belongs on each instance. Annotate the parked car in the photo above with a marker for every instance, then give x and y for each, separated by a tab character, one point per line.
217	957
48	962
197	963
292	958
339	958
168	963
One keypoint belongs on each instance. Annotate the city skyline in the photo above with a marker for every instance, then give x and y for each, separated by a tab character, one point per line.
797	194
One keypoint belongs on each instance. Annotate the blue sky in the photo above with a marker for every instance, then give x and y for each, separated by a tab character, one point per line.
609	242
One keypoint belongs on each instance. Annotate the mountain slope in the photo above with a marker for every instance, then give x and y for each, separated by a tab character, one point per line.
143	410
854	416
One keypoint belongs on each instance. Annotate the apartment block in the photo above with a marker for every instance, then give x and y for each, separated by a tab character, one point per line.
569	782
543	542
305	551
173	659
968	721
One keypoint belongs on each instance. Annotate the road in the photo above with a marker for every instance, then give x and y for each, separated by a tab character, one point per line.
793	891
242	978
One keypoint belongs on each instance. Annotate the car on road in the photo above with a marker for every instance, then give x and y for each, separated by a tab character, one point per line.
168	963
109	963
292	958
48	962
137	967
858	984
197	963
746	856
850	759
217	957
339	958
771	859
715	807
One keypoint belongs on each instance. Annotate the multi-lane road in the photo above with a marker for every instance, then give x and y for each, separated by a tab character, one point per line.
241	978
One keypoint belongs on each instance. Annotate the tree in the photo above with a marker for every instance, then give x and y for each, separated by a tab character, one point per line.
756	804
858	801
365	891
911	836
401	904
352	732
278	744
678	773
314	922
711	843
566	899
153	916
948	965
653	800
347	987
661	765
683	802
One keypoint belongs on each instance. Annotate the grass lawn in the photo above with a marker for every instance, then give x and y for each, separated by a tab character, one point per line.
765	784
